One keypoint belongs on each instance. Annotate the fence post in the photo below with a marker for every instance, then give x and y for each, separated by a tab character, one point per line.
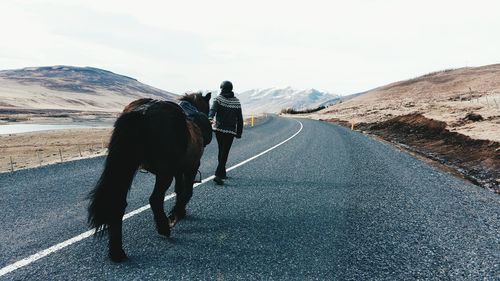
11	164
39	159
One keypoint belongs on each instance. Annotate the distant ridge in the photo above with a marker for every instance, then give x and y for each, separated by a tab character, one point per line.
72	88
56	68
443	83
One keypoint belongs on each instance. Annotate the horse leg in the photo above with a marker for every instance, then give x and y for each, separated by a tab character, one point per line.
174	214
115	246
116	252
156	201
184	192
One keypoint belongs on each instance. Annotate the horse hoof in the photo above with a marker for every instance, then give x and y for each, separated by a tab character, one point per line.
118	256
172	220
218	181
177	215
164	229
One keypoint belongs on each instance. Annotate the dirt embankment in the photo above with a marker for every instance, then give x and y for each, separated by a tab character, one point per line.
476	160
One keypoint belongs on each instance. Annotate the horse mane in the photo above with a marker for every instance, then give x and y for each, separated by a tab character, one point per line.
197	100
191	97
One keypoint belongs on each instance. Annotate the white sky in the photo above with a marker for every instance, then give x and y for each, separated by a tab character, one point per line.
339	46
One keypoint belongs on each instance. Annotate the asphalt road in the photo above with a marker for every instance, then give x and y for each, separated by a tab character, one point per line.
329	204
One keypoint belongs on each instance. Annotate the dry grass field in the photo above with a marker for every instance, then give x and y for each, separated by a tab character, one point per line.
446	96
47	147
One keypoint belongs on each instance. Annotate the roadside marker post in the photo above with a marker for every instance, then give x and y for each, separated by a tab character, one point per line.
38	155
352	125
253	120
11	164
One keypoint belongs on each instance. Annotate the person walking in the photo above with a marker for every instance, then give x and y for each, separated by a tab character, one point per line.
226	109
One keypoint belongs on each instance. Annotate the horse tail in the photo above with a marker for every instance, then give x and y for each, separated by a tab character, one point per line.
108	198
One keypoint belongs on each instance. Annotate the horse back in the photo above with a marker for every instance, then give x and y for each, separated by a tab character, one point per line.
135	104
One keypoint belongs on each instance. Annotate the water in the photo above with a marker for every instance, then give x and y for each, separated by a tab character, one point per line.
25	128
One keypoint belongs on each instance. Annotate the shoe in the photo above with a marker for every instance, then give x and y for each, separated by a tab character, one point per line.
218	181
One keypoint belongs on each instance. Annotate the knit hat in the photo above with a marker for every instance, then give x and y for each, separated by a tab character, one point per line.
226	86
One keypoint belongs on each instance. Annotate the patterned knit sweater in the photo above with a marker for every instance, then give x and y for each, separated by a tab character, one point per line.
226	109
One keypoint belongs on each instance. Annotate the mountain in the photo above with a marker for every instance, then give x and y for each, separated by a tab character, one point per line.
71	88
446	95
441	84
273	100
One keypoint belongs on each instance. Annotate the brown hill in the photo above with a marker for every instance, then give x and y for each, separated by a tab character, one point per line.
68	88
446	96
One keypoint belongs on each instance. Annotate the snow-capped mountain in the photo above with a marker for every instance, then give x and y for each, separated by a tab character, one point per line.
273	100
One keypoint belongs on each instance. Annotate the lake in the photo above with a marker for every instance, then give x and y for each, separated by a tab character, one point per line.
25	128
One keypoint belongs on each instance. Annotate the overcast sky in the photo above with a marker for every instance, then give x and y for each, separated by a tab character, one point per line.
339	46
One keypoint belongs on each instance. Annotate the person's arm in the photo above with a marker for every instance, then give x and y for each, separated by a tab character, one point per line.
239	126
213	110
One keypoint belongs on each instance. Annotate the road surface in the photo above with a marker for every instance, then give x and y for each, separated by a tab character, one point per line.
322	203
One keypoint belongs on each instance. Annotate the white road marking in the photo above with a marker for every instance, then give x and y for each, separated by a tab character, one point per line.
26	261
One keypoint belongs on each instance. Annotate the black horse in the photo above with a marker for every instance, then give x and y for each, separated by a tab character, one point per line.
165	138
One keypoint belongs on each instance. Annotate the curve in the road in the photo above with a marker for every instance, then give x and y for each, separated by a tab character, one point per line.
43	253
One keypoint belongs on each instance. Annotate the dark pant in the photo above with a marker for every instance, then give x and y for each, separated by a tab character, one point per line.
224	141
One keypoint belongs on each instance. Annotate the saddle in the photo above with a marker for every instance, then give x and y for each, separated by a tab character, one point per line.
200	119
191	112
